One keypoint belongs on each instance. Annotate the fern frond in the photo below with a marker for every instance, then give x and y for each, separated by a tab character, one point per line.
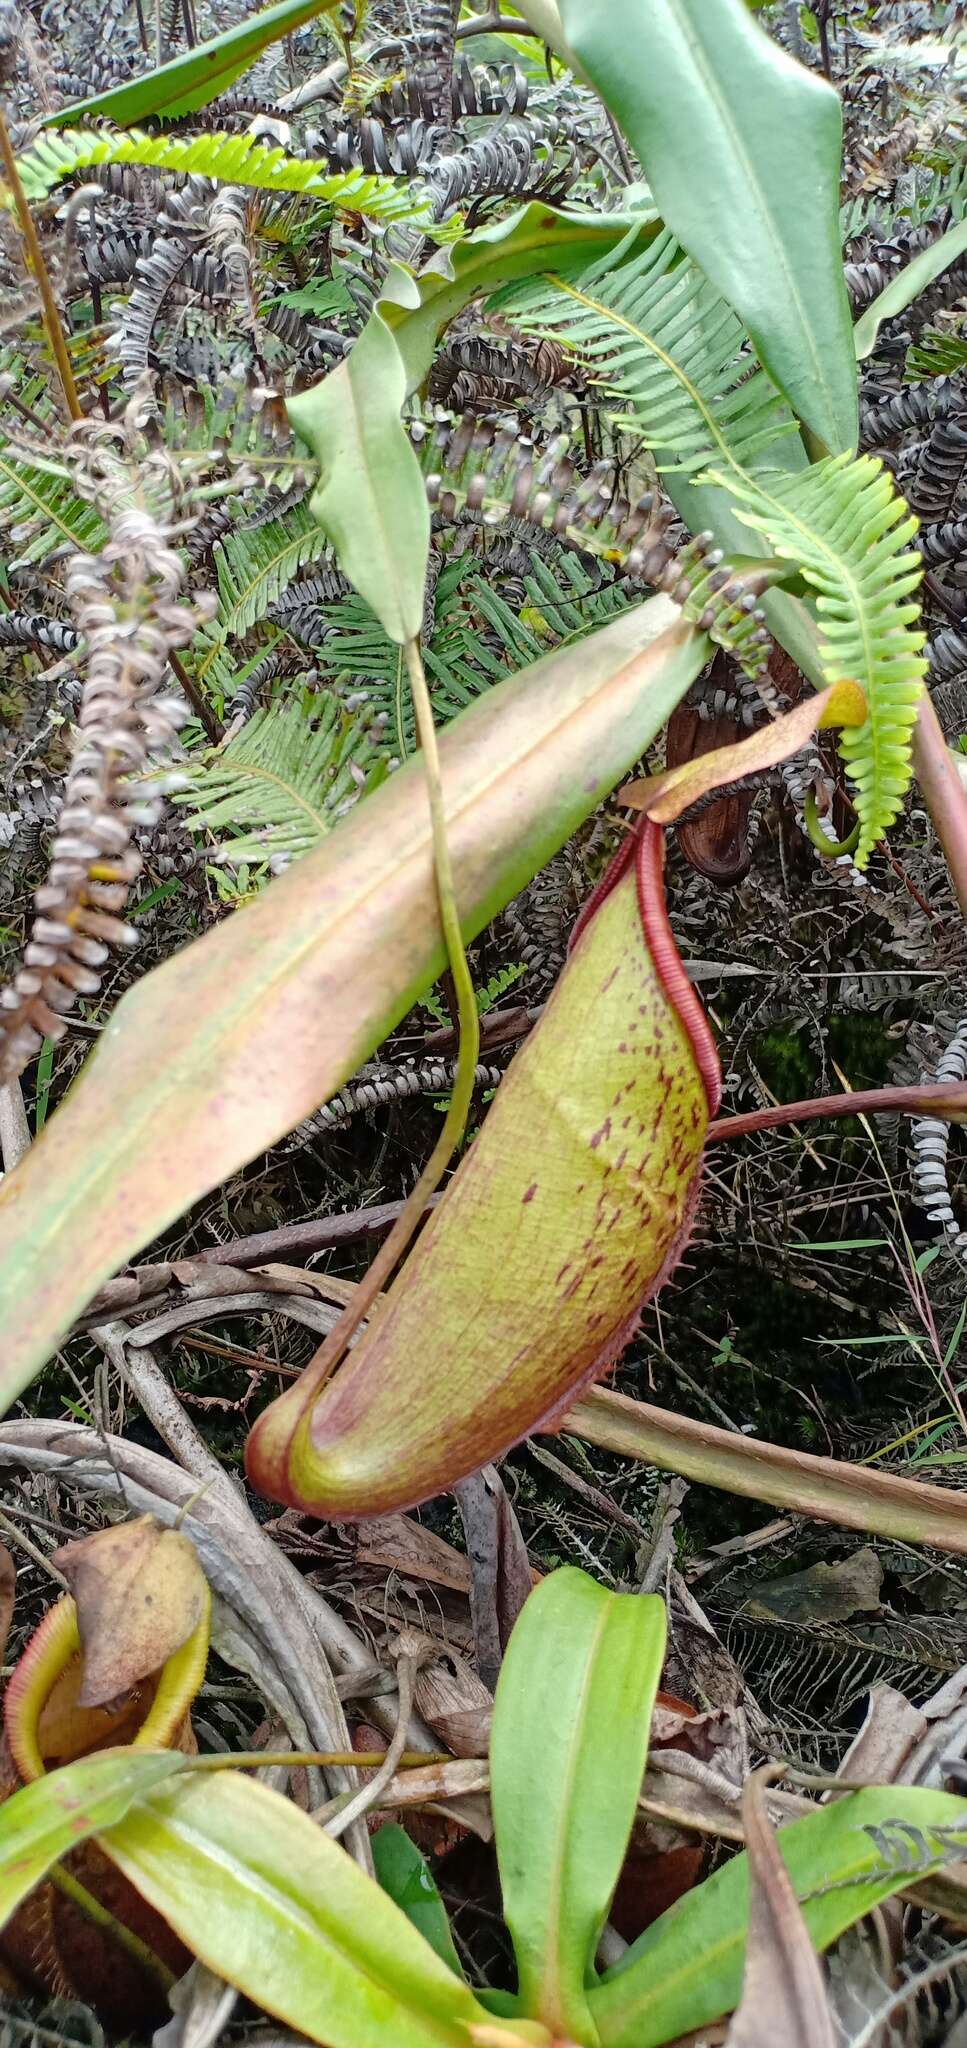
283	781
938	353
661	339
660	335
212	664
562	604
45	511
568	602
843	525
254	565
359	654
231	159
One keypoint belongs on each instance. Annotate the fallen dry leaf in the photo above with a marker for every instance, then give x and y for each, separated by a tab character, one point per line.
451	1698
403	1545
821	1593
783	1989
891	1729
500	1571
140	1594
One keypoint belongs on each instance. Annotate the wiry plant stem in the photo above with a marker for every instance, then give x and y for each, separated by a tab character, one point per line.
944	1099
109	1924
330	1353
211	725
52	320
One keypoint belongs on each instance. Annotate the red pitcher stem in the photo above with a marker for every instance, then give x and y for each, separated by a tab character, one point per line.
942	1100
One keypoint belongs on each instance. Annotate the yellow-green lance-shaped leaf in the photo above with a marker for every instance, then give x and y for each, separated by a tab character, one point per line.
265	1016
265	1897
44	1821
566	1213
843	1859
370	499
568	1747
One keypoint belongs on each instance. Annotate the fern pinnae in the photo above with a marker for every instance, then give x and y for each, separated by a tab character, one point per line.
866	631
255	565
229	159
283	780
661	339
45	506
665	338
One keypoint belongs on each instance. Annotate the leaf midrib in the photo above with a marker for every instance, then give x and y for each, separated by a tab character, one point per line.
555	2007
22	482
253	771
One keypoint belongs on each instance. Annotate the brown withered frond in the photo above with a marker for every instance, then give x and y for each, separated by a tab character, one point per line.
126	608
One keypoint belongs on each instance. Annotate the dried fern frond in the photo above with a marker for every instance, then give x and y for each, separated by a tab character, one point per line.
938	482
32	629
282	782
659	336
127	613
518	161
901	1846
229	159
490	470
930	1141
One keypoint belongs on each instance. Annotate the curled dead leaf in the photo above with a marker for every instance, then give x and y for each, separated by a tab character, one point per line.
50	1943
140	1593
664	797
783	1989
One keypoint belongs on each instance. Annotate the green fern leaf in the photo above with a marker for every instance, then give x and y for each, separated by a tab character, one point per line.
660	335
254	565
460	662
563	605
233	159
45	511
938	353
662	340
842	523
280	785
359	653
